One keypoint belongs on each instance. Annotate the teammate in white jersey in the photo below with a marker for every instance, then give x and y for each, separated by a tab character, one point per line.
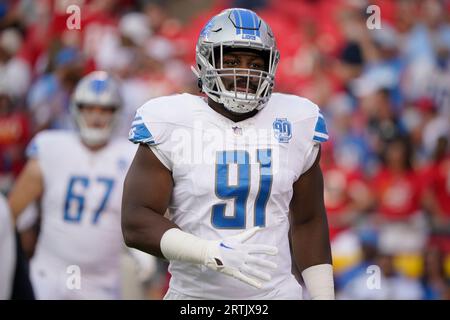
238	171
7	250
79	178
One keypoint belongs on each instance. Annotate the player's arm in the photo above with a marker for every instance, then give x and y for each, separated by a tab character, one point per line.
309	233
27	188
147	191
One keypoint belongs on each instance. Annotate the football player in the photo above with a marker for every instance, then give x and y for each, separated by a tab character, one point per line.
237	170
7	250
78	176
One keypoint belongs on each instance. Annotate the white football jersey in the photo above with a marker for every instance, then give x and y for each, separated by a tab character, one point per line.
80	228
230	176
7	250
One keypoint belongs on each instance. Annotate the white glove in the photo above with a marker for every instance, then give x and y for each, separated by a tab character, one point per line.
230	255
234	258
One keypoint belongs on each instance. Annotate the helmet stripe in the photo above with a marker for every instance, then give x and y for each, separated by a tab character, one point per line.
248	23
256	24
98	85
237	19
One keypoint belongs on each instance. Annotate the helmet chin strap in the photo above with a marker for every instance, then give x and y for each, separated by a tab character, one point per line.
195	71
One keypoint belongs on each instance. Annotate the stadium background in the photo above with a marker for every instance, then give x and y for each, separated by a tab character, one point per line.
385	94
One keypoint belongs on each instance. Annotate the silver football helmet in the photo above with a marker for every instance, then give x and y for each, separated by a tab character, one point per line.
100	89
236	29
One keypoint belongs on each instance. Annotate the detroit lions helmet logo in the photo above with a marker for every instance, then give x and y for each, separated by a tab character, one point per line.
282	130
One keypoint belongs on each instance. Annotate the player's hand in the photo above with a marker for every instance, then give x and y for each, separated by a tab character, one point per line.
232	256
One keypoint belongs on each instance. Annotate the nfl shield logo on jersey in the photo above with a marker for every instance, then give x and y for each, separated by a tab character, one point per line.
282	130
237	130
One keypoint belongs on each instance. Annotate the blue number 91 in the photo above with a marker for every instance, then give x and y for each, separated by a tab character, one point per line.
241	190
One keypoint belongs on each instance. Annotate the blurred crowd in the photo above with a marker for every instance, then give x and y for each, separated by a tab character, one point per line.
385	94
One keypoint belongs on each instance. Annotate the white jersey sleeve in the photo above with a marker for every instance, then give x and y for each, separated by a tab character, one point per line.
309	129
45	147
154	123
32	151
319	135
37	149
